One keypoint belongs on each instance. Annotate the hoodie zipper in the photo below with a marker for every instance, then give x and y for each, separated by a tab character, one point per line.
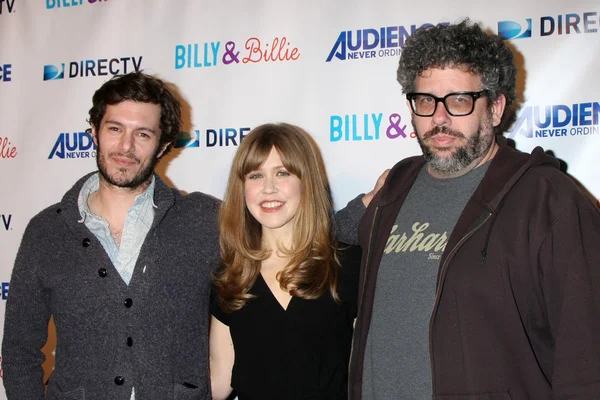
440	284
375	214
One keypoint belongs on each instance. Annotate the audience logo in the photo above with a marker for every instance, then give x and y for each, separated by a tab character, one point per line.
7	6
52	4
7	149
74	145
254	51
4	289
549	25
87	68
372	42
513	30
373	126
218	137
558	121
5	72
6	219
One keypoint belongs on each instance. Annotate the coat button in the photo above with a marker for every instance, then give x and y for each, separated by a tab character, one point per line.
86	242
119	380
58	210
129	341
102	272
128	303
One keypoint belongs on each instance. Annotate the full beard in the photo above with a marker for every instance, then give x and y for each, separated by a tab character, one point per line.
140	179
473	149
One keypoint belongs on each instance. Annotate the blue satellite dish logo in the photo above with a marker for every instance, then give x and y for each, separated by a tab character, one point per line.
514	30
52	72
187	139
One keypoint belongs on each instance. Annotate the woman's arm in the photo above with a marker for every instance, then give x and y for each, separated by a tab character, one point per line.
221	359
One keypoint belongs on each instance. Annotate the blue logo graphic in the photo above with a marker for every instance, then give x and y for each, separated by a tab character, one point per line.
5	72
513	30
195	56
52	72
10	4
185	139
4	289
74	145
558	120
50	4
372	42
6	218
353	127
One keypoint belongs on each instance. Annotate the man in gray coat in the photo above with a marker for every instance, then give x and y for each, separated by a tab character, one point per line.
112	263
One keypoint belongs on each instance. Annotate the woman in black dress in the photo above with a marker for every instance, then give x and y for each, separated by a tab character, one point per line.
284	307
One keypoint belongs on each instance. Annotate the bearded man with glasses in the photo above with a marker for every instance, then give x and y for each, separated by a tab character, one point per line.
481	266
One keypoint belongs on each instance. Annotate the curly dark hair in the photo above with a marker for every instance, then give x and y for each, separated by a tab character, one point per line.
140	87
463	45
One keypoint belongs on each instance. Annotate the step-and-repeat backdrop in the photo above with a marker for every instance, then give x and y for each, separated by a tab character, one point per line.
328	66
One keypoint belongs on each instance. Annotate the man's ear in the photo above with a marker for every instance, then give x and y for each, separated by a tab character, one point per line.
412	115
498	106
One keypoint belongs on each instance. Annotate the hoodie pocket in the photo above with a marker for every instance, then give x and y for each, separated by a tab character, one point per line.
474	396
188	392
55	394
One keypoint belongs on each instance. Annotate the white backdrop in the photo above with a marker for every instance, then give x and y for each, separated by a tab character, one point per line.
309	69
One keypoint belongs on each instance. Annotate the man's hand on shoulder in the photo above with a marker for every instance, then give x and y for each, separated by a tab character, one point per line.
366	199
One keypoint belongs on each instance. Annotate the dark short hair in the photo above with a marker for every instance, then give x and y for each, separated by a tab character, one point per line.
143	88
463	45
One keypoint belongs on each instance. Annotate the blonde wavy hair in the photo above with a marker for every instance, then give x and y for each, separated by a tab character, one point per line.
313	267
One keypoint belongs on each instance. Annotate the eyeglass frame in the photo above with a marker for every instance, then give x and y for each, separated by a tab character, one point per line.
474	95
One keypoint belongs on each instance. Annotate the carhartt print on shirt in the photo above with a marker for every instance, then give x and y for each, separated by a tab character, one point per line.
419	239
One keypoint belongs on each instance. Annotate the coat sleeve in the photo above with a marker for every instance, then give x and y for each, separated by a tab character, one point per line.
569	267
26	321
349	257
347	220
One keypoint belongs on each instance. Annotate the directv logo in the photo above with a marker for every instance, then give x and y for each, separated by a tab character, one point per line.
222	137
186	139
513	30
87	68
9	6
51	72
6	218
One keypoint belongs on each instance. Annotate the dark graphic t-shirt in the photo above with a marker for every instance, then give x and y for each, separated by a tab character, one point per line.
397	364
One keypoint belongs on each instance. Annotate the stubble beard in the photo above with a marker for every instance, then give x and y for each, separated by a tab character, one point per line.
142	178
475	148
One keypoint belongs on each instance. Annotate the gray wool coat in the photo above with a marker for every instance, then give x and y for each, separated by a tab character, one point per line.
151	335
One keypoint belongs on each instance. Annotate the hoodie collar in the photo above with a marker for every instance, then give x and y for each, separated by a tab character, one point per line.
506	168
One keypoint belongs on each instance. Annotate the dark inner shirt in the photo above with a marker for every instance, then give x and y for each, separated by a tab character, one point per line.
298	353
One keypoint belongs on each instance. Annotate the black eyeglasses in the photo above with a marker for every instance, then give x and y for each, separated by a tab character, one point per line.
458	104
